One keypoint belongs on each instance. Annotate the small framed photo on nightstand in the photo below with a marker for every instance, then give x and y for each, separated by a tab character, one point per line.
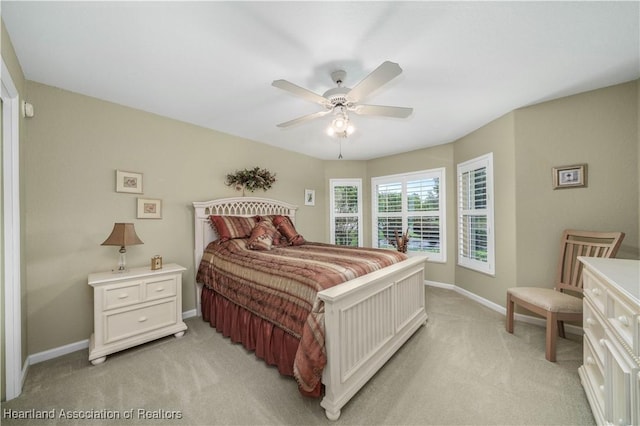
156	262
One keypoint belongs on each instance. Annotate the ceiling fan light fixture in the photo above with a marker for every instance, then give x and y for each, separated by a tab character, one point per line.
341	127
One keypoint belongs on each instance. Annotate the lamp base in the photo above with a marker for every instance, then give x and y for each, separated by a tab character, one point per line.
122	261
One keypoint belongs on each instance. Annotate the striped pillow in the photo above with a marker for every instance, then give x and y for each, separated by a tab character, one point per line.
286	228
230	227
278	238
262	236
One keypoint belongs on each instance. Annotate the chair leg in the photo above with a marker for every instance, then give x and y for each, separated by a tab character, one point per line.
552	331
561	329
509	323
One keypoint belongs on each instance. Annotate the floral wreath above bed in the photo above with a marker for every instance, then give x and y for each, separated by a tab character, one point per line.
251	179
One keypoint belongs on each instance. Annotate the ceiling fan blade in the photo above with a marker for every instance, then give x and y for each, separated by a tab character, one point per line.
300	91
387	111
304	118
386	72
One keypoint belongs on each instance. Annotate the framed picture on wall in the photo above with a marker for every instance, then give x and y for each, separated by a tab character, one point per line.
309	197
570	176
128	182
149	208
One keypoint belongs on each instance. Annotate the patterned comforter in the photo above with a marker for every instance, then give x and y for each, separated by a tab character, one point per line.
280	286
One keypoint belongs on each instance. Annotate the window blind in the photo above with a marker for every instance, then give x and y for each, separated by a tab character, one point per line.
346	212
410	203
475	215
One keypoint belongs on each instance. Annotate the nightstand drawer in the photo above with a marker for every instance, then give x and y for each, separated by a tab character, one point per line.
117	296
130	323
160	288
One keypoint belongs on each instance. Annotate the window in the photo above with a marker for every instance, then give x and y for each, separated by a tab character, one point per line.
413	203
475	214
346	212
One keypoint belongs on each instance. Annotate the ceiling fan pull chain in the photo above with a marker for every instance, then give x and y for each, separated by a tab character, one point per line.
340	156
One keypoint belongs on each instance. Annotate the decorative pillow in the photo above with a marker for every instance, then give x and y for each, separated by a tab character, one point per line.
278	239
230	227
285	227
262	236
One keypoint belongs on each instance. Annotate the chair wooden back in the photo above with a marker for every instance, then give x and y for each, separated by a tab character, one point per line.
583	243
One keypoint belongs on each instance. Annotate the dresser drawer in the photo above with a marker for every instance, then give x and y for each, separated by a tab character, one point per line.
593	325
594	374
622	318
594	290
124	324
119	295
157	289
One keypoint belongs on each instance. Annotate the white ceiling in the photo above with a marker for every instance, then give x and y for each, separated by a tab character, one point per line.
212	63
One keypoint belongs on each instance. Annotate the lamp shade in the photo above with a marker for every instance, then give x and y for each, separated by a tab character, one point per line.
123	234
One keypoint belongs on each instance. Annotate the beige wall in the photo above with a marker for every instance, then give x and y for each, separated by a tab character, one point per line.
598	128
10	59
496	137
75	145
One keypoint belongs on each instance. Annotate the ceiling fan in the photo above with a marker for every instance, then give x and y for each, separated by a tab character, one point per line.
340	100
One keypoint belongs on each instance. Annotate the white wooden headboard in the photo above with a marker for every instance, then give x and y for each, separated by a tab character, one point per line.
238	206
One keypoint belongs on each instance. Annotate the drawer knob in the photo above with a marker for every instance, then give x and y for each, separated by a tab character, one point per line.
590	360
623	320
123	296
601	341
591	321
596	291
142	319
159	289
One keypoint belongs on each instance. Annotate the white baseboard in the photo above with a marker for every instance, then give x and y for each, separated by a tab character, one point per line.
189	314
57	352
500	309
71	347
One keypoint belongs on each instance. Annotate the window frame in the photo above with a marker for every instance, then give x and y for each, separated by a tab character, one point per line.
403	178
333	183
464	260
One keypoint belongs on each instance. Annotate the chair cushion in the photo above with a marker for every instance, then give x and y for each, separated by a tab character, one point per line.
548	299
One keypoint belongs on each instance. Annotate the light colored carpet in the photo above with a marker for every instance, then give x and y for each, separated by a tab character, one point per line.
462	368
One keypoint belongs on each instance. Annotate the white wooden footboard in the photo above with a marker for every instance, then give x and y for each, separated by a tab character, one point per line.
366	321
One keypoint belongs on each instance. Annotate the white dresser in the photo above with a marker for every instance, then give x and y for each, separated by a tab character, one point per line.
135	307
610	373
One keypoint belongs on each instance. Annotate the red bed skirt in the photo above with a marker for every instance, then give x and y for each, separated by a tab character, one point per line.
266	340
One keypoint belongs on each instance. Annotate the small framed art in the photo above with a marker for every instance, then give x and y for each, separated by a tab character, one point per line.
128	182
149	208
570	176
309	197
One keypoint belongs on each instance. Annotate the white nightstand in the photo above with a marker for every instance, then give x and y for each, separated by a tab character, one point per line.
135	307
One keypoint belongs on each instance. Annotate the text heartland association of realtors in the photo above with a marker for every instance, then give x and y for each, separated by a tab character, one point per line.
133	413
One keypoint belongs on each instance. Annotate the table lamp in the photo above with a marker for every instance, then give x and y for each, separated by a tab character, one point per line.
123	234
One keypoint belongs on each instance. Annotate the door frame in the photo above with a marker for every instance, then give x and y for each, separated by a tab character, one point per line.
11	230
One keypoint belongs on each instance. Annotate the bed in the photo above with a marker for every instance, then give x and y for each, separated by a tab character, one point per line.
354	327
